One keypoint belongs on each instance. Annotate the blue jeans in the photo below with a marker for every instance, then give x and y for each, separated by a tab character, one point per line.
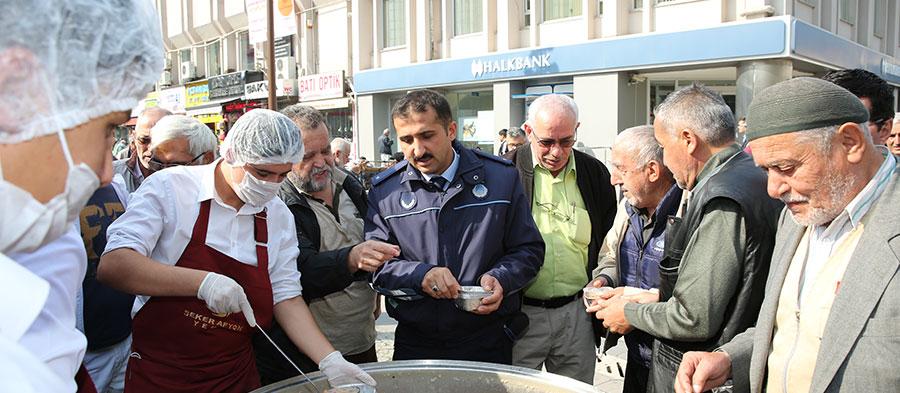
107	366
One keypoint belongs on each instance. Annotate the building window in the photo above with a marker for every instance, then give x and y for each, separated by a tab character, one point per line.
811	3
637	4
394	18
184	55
599	7
527	13
558	9
214	58
246	52
466	16
847	11
880	25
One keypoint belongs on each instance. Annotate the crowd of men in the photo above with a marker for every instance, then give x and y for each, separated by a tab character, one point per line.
765	267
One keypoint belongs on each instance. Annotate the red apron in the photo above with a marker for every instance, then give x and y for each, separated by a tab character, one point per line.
180	345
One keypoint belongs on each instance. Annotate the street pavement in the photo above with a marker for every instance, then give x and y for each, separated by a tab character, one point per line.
607	378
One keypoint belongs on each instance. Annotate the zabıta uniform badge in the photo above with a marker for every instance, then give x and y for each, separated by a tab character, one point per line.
407	200
480	191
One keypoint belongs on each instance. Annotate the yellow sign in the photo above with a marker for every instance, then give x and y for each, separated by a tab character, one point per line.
197	93
210	118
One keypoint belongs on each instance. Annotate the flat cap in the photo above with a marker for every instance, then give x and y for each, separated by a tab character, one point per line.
801	104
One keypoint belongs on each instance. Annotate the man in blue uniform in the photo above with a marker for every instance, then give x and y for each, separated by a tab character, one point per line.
461	219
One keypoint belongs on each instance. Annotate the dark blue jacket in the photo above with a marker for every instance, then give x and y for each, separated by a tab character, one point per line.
639	263
471	235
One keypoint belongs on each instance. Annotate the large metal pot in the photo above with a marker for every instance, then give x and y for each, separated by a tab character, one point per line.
438	376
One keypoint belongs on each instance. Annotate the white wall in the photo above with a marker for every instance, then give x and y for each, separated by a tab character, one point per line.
563	31
468	45
687	16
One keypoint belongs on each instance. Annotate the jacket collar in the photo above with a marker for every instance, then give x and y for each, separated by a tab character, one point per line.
470	170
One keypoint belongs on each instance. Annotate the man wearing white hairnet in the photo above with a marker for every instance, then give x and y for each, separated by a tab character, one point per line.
70	71
210	251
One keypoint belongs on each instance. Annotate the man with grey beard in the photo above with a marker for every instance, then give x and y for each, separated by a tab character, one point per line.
335	262
829	319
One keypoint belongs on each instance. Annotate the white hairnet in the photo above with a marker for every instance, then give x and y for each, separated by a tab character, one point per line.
263	136
65	62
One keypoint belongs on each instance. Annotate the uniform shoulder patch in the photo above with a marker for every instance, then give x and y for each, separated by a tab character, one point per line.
383	175
492	157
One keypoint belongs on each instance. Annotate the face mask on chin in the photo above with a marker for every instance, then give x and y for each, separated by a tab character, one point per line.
253	191
27	224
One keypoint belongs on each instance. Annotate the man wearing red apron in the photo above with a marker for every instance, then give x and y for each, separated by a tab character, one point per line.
209	251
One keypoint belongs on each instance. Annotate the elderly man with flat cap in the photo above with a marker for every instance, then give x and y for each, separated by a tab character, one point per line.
829	321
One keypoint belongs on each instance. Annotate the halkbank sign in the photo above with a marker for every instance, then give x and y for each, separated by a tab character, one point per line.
481	68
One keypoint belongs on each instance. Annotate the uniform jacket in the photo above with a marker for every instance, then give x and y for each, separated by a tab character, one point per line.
860	343
326	272
481	224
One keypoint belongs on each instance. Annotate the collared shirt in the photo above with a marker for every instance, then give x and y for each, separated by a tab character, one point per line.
449	173
23	296
824	238
160	219
53	337
136	171
561	217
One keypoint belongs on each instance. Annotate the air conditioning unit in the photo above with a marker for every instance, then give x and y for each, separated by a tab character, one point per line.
188	71
165	79
168	63
285	68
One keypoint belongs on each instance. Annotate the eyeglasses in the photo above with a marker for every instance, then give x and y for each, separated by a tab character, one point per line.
554	211
157	165
563	143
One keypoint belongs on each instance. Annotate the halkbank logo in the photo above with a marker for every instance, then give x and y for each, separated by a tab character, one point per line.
481	68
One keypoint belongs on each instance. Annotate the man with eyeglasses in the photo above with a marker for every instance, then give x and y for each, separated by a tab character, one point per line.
135	168
210	252
105	313
573	205
875	94
634	246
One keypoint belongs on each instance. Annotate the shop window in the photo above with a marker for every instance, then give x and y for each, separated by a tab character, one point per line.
394	23
214	58
558	9
467	16
880	25
847	11
246	52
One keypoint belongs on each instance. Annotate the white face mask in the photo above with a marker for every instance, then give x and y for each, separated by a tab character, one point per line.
26	224
255	192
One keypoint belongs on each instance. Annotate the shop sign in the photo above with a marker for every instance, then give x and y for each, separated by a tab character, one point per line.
210	118
320	86
242	106
260	90
196	94
527	63
172	99
231	85
888	68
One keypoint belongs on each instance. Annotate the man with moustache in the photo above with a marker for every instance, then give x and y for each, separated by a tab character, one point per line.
136	168
634	245
717	248
460	218
335	262
893	141
829	319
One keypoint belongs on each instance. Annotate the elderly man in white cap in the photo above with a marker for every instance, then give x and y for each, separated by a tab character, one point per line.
210	251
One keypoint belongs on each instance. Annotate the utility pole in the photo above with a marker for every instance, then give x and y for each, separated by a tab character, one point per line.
270	53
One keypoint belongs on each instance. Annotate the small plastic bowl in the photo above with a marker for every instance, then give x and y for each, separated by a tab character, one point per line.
593	293
470	297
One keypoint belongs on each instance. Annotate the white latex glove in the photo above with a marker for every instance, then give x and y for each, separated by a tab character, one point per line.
341	372
224	295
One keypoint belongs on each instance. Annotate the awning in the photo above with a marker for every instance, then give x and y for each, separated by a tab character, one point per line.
214	106
334	103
